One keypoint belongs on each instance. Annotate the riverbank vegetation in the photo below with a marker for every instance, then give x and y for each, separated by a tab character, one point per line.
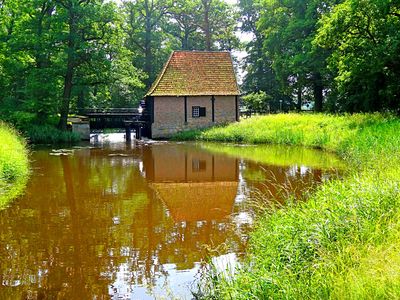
343	243
14	164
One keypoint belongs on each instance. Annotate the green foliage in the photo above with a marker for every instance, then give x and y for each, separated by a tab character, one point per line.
343	243
257	102
288	29
343	53
364	37
63	56
48	134
188	135
58	55
156	28
259	72
14	164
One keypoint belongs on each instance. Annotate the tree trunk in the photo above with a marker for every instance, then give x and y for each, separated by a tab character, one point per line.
207	30
378	100
148	57
299	98
69	75
318	91
64	111
81	101
185	40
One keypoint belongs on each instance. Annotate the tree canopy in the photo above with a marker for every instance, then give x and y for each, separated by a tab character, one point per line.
61	56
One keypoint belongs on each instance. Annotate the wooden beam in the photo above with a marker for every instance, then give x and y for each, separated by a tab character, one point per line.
237	108
213	108
185	100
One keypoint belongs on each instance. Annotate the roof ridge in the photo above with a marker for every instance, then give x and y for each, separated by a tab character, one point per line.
203	51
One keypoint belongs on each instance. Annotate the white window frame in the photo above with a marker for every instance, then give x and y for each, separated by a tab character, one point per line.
195	111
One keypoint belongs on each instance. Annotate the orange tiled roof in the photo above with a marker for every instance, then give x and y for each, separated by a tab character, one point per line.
183	200
196	73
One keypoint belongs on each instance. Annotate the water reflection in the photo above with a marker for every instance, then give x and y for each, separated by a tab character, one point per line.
186	179
129	221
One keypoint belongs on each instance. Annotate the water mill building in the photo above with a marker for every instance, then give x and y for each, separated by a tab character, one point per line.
195	89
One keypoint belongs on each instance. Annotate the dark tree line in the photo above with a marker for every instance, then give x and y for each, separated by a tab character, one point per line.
61	56
343	55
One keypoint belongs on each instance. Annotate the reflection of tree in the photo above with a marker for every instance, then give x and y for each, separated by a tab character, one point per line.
58	239
85	216
78	284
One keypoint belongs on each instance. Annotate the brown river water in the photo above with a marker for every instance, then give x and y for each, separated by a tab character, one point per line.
111	220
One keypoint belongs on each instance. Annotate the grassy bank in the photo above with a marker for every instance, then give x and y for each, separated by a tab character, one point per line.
38	132
344	242
14	164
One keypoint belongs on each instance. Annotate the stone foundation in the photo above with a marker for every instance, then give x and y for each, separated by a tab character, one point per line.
83	129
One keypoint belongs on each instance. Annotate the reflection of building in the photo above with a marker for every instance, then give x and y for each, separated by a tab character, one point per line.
194	185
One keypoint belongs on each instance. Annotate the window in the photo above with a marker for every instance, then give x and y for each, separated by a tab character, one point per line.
198	165
198	111
195	111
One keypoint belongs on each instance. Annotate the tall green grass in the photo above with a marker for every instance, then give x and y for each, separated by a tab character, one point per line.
14	164
48	134
344	242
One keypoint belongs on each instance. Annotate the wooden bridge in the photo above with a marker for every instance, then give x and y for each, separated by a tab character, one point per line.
128	118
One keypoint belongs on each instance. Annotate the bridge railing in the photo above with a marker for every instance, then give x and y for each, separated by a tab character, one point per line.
91	111
101	118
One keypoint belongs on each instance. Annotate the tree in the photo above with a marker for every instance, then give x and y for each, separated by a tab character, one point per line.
89	24
156	28
218	24
146	37
257	102
183	23
259	75
289	28
364	36
58	54
28	82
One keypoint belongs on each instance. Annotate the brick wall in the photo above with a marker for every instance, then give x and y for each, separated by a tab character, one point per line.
169	114
225	109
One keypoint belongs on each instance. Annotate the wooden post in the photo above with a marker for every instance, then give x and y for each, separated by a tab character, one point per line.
185	101
138	132
213	109
237	108
128	132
